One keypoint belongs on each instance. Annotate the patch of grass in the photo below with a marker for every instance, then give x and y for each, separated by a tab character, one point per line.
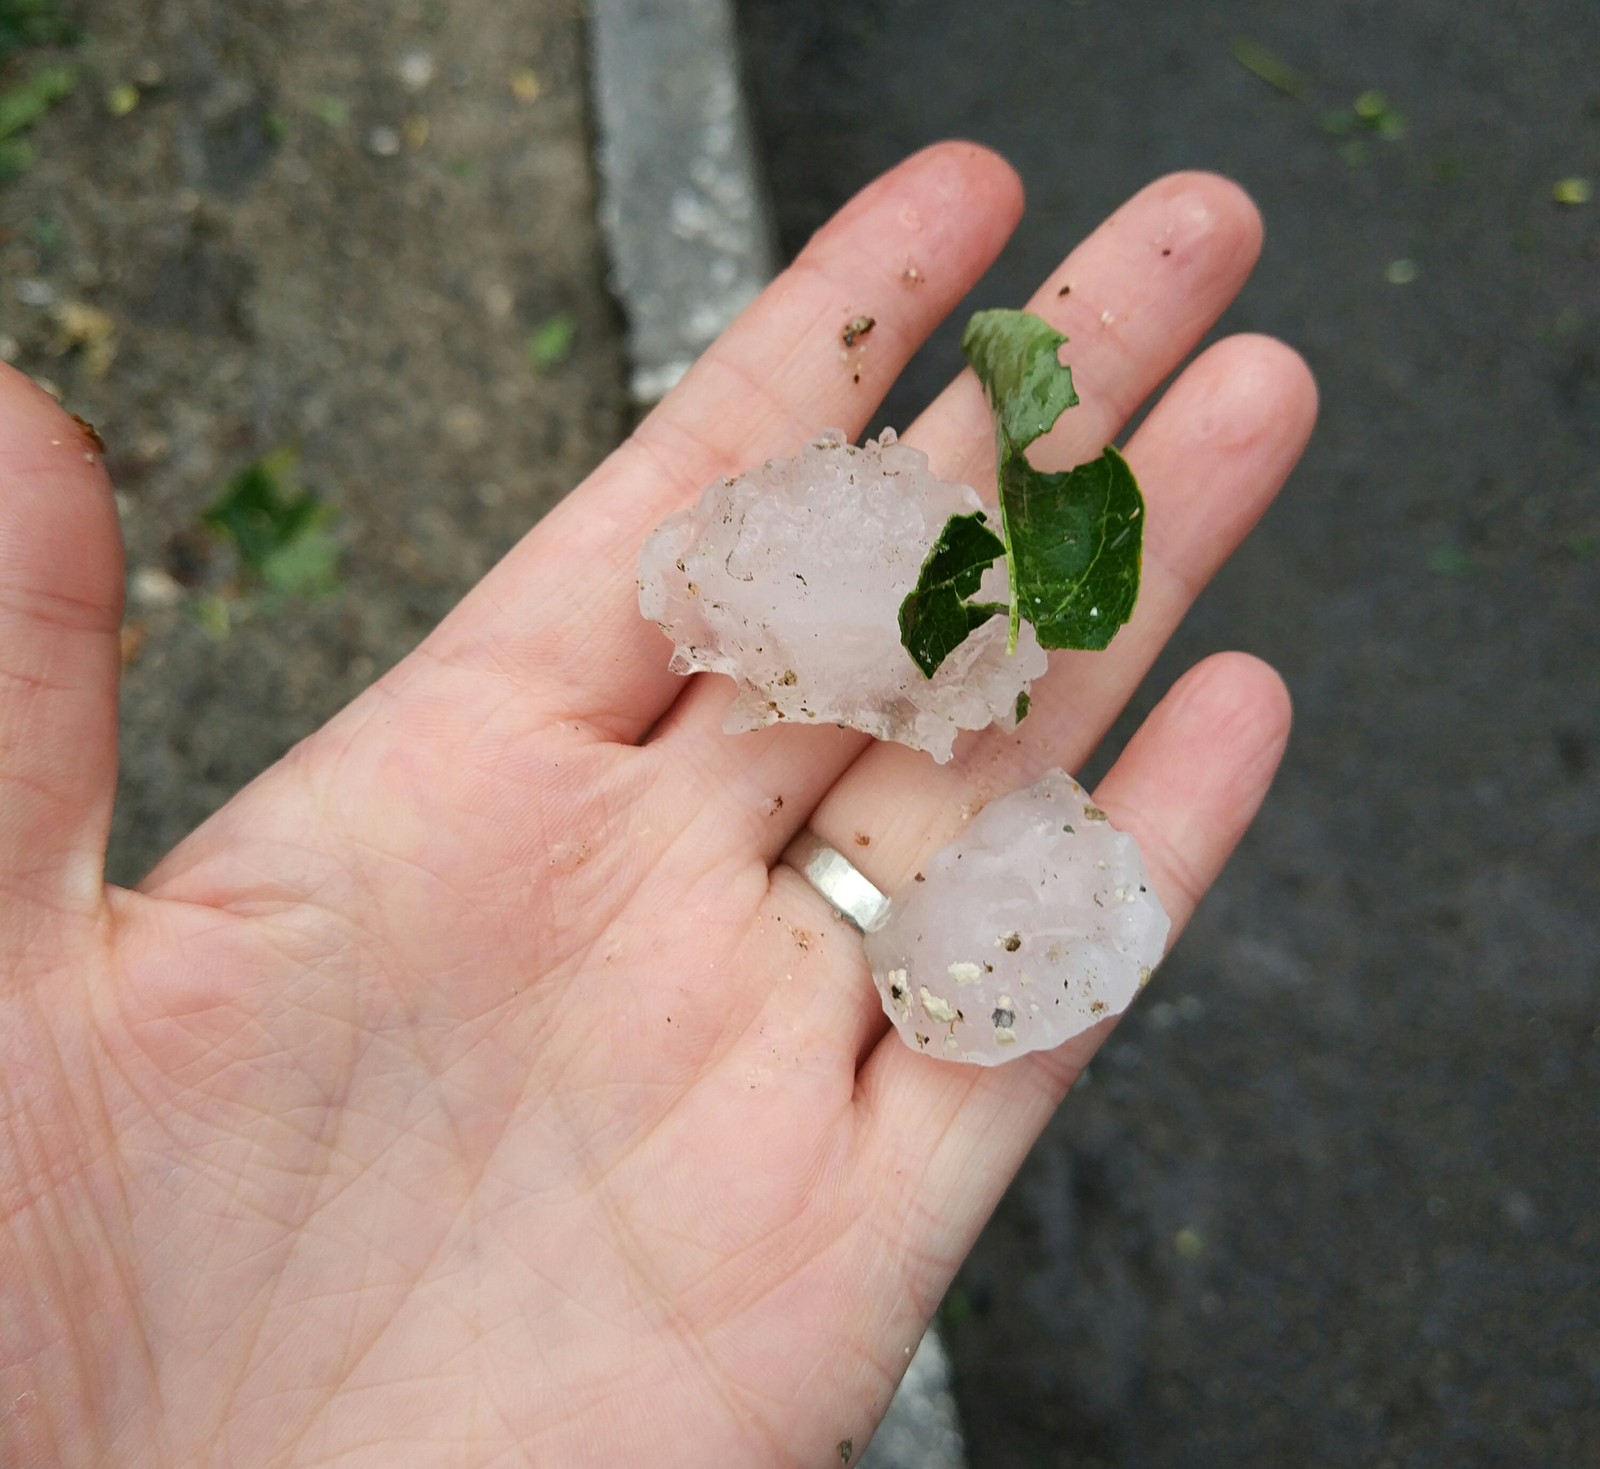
25	23
24	104
282	533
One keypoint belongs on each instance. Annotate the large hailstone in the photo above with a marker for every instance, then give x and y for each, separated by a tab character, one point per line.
1035	924
789	578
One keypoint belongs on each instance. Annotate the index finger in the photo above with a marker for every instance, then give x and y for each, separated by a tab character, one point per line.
561	611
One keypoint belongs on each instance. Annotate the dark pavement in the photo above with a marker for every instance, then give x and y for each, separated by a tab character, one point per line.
1331	1196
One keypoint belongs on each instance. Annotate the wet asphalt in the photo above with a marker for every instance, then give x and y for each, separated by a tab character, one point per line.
1331	1194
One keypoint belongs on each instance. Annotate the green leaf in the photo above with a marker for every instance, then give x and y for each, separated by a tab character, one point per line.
1014	355
551	343
1076	548
1261	63
24	104
1074	540
936	618
283	534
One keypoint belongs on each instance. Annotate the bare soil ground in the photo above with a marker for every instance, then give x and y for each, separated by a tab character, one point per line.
329	227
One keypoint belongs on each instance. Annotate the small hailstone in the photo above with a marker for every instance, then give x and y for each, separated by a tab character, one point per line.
789	578
1059	900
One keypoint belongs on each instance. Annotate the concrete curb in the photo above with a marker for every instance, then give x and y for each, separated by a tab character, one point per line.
680	203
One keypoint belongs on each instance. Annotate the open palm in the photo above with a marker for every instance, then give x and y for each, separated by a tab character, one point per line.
474	1089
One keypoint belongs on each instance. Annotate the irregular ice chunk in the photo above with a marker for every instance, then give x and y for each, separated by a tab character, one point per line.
789	578
1034	924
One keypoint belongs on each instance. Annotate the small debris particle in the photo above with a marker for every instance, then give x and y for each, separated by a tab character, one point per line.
938	1010
131	639
803	940
1144	975
417	70
1264	66
1010	942
918	877
1107	317
151	587
1004	1036
1065	290
1097	1007
81	326
694	589
1572	192
551	343
1094	813
774	806
90	433
898	990
1166	250
856	328
847	1447
964	973
862	839
1068	830
1004	1015
789	679
922	1041
911	275
122	99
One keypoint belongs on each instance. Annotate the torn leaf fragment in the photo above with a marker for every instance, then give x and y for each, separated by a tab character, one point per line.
1035	880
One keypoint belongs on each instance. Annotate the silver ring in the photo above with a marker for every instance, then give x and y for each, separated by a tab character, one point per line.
833	875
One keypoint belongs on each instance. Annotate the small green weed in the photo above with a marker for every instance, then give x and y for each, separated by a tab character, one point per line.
282	533
551	343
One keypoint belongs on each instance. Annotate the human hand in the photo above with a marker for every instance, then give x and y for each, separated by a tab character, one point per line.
473	1089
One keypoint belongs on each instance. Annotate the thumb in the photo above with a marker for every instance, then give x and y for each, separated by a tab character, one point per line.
60	608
